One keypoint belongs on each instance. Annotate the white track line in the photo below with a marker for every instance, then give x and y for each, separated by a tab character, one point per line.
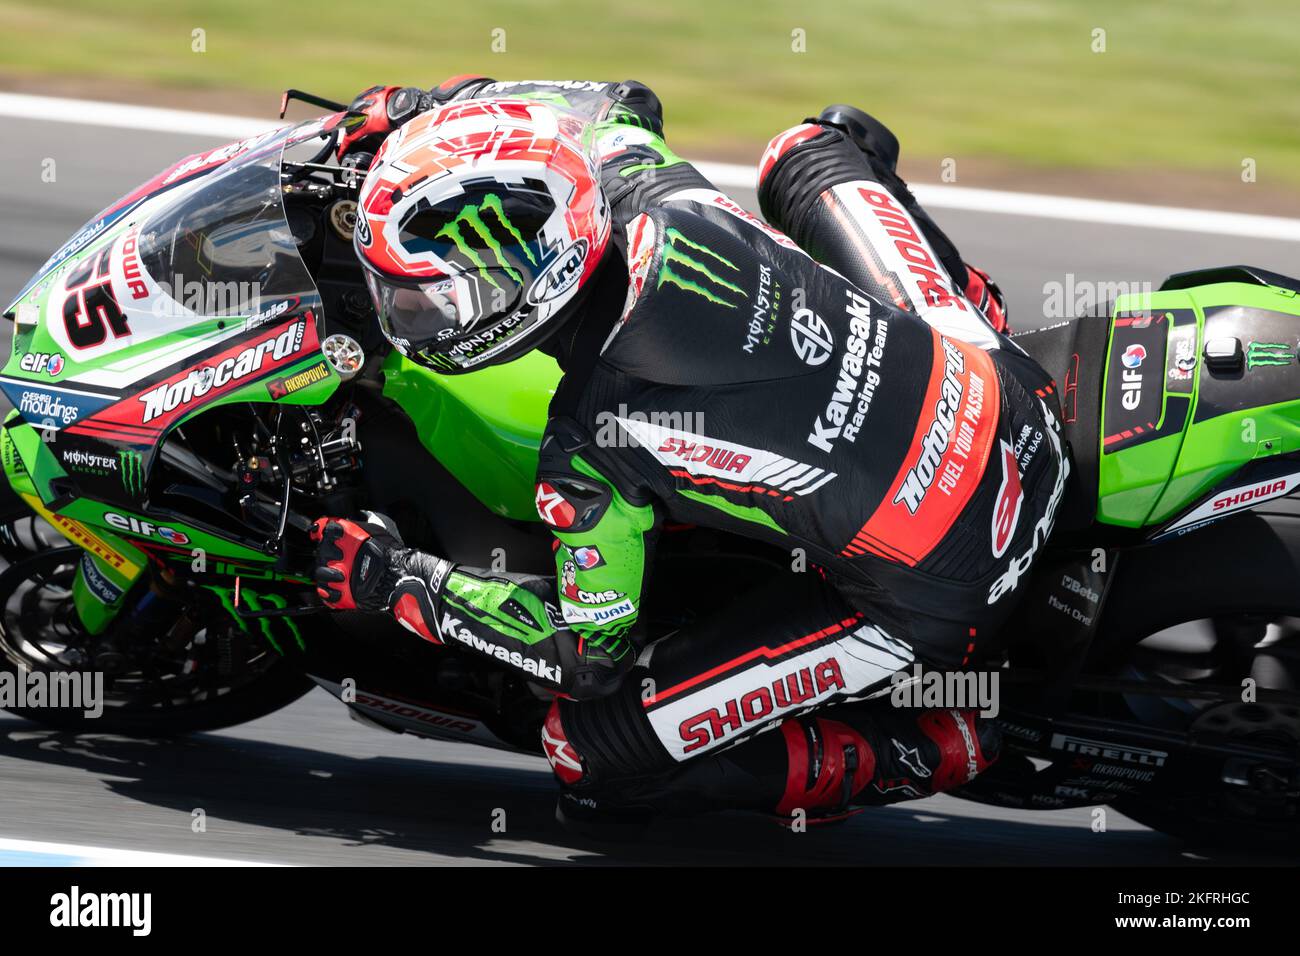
31	852
125	116
726	175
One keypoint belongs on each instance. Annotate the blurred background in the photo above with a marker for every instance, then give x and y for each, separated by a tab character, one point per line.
1110	98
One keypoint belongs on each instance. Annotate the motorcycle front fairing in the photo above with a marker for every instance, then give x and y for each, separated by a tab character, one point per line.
187	294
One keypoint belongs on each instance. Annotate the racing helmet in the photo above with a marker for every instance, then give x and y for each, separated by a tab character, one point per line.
479	224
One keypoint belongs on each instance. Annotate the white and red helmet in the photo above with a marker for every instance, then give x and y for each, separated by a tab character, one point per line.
479	222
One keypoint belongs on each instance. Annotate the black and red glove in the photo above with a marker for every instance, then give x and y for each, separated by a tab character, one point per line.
377	111
984	292
357	563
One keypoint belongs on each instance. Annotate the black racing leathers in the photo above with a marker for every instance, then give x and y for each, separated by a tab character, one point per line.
868	420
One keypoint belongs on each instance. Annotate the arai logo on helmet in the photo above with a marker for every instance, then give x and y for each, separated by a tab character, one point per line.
560	275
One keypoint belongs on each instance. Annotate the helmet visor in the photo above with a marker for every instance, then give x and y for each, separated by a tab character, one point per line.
446	322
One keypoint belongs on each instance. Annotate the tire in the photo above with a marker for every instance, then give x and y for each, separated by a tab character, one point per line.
1201	577
1158	586
278	682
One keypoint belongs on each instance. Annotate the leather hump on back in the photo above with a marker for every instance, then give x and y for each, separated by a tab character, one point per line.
713	300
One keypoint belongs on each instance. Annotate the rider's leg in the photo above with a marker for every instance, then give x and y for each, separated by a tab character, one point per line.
830	184
664	742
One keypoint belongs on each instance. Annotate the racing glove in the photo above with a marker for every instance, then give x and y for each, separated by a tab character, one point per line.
984	292
377	111
511	618
358	564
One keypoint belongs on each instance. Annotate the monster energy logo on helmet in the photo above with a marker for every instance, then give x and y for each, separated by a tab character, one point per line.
132	471
689	265
1267	353
480	231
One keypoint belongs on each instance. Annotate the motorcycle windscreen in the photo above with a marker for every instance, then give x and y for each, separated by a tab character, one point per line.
227	252
200	297
208	265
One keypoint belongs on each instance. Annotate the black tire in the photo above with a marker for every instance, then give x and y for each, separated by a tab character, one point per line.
276	685
1245	566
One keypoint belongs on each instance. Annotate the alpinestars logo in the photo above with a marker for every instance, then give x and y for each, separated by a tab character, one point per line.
453	627
910	757
168	397
561	755
476	219
691	266
1009	579
921	475
1006	506
686	453
552	507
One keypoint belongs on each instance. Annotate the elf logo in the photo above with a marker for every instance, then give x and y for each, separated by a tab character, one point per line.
49	362
1131	381
144	529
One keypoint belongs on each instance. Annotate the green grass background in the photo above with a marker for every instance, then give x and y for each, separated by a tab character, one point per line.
1194	85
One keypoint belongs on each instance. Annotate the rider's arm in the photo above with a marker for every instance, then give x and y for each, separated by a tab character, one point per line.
575	638
585	617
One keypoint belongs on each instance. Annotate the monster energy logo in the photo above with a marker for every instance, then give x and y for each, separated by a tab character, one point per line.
1267	353
258	602
473	218
132	471
682	269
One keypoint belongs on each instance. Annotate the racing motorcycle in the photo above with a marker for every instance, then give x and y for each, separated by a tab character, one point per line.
197	374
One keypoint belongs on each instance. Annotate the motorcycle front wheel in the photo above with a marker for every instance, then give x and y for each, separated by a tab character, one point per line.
186	676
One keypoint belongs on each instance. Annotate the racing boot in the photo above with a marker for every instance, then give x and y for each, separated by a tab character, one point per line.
818	768
861	758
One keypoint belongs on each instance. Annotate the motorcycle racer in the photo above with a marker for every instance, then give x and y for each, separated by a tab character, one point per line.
841	389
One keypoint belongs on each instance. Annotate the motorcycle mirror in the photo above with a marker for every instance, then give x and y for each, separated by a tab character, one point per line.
310	98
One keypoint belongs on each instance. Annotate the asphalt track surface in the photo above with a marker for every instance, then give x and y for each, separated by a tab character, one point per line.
309	786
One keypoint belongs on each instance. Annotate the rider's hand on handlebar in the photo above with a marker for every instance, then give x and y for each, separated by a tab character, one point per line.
378	111
355	562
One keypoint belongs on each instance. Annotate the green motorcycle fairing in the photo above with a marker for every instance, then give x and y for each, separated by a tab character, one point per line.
184	296
1201	393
